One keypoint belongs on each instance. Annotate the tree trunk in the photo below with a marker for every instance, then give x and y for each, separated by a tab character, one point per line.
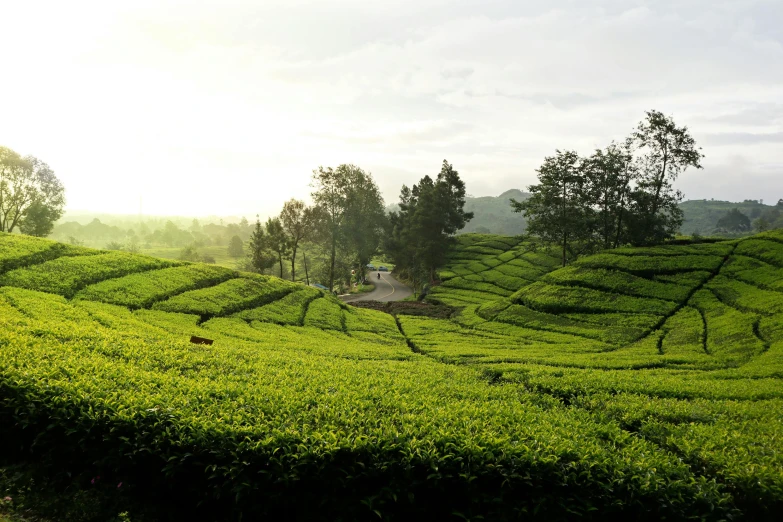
331	263
293	263
565	233
619	226
621	206
659	185
607	218
280	259
14	221
307	276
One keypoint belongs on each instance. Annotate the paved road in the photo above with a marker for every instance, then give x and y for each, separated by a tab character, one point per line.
387	288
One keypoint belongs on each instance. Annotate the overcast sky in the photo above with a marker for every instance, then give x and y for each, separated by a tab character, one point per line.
227	107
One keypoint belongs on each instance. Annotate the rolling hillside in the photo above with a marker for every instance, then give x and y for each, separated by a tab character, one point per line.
701	215
637	383
493	214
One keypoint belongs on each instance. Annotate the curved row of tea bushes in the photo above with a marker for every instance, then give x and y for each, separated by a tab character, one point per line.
228	297
284	434
17	251
142	290
67	275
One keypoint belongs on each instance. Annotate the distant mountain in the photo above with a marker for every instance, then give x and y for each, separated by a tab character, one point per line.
493	215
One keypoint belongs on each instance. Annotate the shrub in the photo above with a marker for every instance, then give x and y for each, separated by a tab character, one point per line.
228	297
142	290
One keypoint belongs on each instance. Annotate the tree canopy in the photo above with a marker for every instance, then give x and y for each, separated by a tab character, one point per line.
31	196
734	221
235	247
623	194
348	215
430	213
258	256
298	221
277	241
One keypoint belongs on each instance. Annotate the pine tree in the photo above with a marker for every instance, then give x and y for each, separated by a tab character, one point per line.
259	258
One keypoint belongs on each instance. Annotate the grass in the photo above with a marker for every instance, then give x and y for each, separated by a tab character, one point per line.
637	383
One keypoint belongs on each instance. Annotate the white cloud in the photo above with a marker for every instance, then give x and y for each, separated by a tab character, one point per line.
226	107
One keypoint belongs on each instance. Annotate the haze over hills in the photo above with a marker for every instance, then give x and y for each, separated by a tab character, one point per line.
491	214
494	215
702	215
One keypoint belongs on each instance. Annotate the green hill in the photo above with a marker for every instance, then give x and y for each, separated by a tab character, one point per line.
494	214
701	215
637	384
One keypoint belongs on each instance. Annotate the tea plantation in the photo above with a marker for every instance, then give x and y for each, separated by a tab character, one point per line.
638	384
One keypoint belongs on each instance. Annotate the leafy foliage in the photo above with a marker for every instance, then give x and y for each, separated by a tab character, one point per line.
637	385
142	290
31	196
617	196
733	221
20	251
67	275
348	215
326	314
228	297
430	213
289	310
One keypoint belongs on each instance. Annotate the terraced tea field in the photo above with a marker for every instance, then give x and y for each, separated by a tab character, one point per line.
636	384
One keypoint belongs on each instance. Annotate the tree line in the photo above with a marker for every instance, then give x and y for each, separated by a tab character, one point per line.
344	225
622	194
430	213
735	222
347	225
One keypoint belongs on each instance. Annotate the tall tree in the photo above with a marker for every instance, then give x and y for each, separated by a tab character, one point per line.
39	219
29	191
258	256
397	243
235	247
365	217
298	221
450	197
331	199
558	209
277	240
430	213
662	152
622	194
426	230
609	176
